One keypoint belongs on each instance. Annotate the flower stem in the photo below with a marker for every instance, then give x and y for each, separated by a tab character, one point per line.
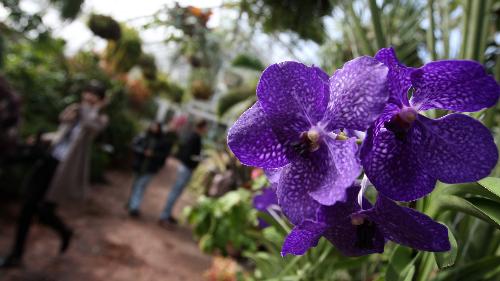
431	38
377	24
467	7
445	27
478	21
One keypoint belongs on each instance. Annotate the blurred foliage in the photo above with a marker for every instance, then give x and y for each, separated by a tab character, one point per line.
105	27
301	17
222	224
37	70
196	43
148	66
201	84
247	61
191	20
122	55
402	30
164	87
20	21
232	98
69	8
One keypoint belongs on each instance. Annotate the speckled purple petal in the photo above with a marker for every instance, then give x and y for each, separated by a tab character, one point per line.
408	227
342	168
265	199
342	233
332	215
393	165
389	111
398	77
293	96
273	175
302	238
454	85
296	181
459	149
358	94
253	142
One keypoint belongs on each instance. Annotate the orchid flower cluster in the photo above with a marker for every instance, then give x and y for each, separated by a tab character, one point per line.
314	135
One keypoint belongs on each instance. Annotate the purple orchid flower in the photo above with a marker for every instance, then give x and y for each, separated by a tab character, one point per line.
355	231
265	200
296	125
405	153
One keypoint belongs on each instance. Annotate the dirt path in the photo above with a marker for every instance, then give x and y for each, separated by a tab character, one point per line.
109	245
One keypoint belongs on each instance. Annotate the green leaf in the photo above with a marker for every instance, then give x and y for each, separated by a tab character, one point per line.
485	209
409	273
478	270
488	207
492	184
400	264
447	259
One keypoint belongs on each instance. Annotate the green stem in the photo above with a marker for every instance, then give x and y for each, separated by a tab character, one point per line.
465	27
497	68
377	24
445	27
431	39
476	31
360	34
484	29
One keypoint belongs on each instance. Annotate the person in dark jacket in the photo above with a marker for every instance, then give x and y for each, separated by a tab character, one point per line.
9	118
79	124
189	155
151	149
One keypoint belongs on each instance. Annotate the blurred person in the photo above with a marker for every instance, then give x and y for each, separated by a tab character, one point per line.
62	172
151	149
189	155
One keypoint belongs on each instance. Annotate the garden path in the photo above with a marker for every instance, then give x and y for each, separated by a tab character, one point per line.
109	245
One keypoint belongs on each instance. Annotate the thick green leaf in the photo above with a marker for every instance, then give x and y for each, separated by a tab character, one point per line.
488	207
492	184
485	209
447	259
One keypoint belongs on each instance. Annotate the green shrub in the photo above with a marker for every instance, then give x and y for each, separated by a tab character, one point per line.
222	224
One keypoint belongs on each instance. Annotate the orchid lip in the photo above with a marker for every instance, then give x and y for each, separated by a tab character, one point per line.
401	122
357	219
408	114
309	141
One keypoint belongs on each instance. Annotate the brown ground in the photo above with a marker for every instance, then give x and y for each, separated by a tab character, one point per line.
109	245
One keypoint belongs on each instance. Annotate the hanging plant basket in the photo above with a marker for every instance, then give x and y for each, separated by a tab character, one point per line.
201	89
105	27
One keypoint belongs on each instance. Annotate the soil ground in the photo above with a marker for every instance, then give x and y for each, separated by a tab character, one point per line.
108	244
